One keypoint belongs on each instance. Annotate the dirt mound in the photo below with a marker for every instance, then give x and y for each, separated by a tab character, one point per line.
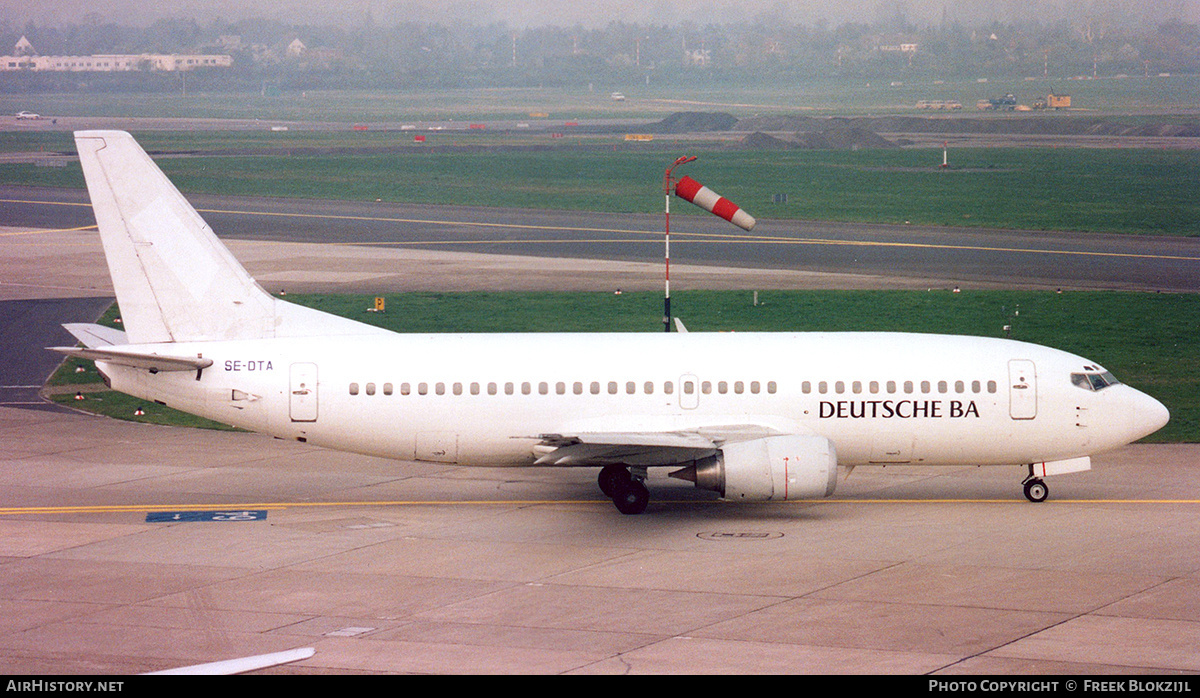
1057	125
694	122
761	141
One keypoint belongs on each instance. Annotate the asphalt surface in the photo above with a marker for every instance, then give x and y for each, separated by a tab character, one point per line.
26	328
1013	258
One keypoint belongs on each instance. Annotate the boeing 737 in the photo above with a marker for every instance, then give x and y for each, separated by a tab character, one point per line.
751	416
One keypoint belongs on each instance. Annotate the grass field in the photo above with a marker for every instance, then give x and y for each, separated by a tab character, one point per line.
1148	340
1089	190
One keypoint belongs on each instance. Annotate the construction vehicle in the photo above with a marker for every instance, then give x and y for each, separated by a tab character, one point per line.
1053	101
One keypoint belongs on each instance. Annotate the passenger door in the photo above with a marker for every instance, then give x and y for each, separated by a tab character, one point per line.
1022	389
302	403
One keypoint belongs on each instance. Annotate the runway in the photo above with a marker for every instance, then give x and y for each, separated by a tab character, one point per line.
1026	259
127	548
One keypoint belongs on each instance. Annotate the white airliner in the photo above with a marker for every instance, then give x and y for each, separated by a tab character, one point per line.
752	416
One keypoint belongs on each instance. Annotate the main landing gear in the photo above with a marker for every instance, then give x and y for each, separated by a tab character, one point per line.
1035	489
627	490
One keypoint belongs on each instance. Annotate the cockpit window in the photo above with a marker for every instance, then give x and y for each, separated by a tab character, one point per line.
1094	381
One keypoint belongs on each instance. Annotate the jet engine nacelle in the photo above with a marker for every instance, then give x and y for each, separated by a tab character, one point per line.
771	468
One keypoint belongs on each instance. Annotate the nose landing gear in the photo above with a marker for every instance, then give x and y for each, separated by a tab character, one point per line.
1035	489
627	490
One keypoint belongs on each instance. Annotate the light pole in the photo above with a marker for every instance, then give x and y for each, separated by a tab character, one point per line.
668	187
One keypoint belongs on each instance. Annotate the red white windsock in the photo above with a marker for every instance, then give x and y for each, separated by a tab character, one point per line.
689	189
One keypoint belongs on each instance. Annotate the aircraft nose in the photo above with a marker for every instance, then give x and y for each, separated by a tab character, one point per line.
1149	415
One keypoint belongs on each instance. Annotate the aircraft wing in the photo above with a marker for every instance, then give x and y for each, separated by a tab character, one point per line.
593	444
628	448
138	359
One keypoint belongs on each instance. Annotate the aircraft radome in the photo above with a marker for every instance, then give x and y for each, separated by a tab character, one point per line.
752	416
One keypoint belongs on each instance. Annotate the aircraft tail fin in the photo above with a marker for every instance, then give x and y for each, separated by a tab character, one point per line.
174	280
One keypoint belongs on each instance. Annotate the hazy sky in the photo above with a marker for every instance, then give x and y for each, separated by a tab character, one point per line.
521	13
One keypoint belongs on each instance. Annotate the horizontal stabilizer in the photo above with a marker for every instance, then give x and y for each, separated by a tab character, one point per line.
93	335
138	359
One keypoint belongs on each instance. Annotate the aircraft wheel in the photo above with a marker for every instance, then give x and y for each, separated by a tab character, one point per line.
610	477
631	497
1036	490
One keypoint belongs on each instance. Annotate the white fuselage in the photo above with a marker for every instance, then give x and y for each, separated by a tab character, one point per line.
488	399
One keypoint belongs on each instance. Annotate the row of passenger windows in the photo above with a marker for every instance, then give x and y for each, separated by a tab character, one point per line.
892	387
578	388
688	387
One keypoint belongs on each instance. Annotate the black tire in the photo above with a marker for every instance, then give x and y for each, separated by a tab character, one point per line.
611	476
631	497
1036	490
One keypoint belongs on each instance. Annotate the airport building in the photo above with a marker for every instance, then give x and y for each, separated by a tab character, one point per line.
24	58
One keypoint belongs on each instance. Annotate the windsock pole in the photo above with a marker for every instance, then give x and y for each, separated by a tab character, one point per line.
668	186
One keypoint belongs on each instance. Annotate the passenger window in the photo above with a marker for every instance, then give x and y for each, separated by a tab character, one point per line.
440	388
839	387
354	388
387	388
474	388
508	388
856	386
942	387
908	387
706	387
689	387
806	387
526	388
595	387
630	388
649	387
458	388
991	386
423	388
874	387
722	387
975	387
405	388
822	387
960	387
560	388
771	387
612	387
668	387
543	388
577	388
754	387
491	388
925	386
891	387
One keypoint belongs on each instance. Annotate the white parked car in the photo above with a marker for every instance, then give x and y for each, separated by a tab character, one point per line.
28	115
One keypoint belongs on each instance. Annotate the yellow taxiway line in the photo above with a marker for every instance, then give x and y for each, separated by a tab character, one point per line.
242	506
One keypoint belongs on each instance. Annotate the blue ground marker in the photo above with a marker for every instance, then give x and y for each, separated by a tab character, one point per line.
237	515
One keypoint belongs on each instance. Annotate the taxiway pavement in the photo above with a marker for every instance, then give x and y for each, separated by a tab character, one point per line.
399	567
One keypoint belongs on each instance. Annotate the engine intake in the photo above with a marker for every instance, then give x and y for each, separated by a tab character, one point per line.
771	468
